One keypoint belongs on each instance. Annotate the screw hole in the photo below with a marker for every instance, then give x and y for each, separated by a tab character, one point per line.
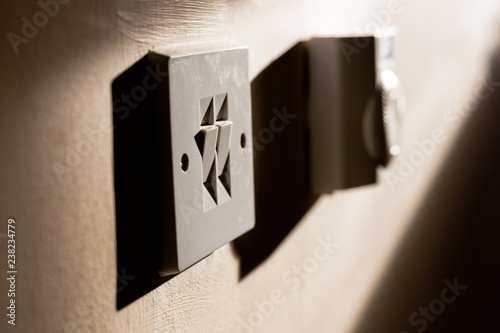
184	162
243	140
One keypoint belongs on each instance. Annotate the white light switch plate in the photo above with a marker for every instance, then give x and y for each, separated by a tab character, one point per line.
204	123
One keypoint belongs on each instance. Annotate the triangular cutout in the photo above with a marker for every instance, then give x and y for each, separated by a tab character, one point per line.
207	111
211	183
221	107
225	178
200	141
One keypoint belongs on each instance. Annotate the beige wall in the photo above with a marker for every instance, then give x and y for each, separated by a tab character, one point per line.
58	86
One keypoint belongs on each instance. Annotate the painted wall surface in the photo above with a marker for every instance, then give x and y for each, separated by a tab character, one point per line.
56	109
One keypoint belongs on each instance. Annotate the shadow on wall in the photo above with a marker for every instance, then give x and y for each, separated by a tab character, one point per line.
282	185
445	274
137	191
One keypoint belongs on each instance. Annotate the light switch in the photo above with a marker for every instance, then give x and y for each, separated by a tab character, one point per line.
203	119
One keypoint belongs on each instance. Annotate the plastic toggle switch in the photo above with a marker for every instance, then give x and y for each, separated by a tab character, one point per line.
206	182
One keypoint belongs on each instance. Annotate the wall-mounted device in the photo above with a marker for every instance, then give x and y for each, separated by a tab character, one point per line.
355	99
183	158
203	121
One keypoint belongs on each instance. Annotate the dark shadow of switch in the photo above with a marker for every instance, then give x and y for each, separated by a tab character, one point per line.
281	173
137	191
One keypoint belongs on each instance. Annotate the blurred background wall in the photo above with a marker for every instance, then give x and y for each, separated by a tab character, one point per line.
394	242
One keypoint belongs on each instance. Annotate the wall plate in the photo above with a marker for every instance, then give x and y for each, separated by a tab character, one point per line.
204	128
